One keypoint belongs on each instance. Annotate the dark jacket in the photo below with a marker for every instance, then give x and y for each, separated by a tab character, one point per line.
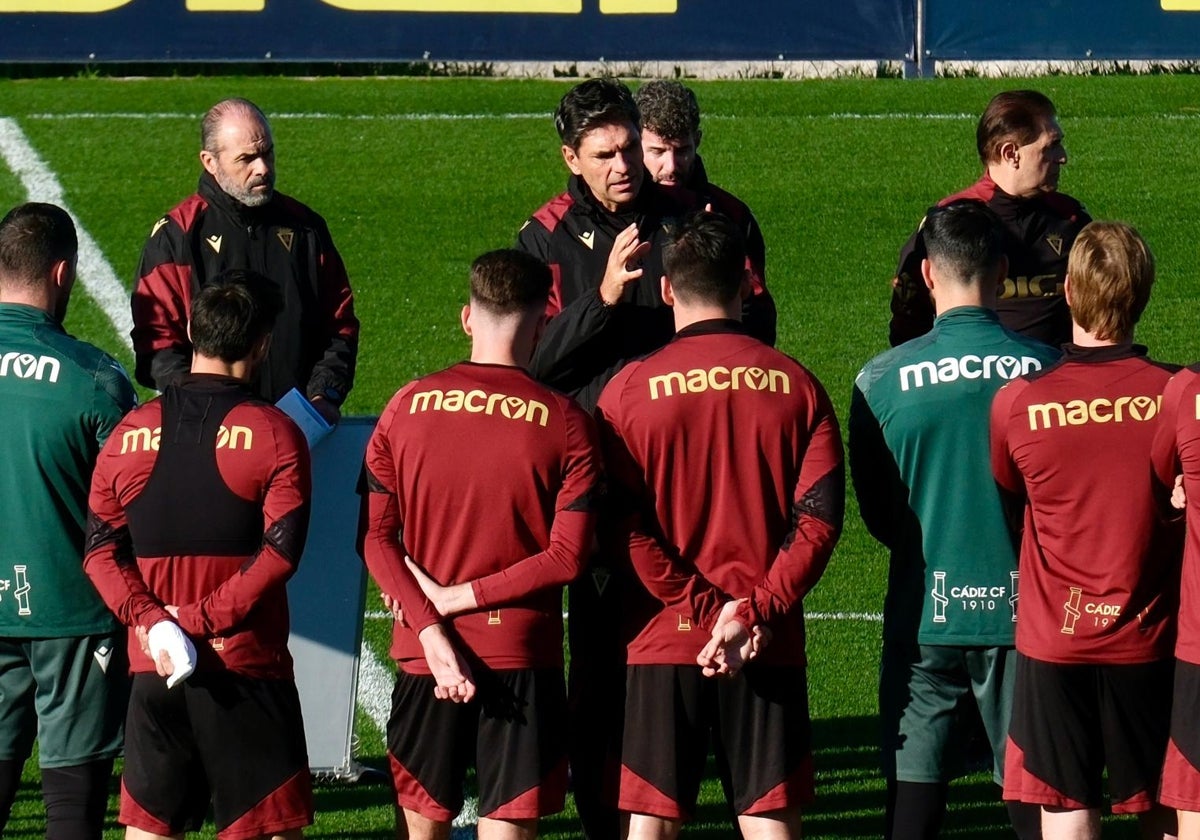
1039	233
315	342
758	312
586	342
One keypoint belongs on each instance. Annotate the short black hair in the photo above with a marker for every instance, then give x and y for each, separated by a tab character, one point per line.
33	237
591	104
966	238
232	313
506	282
705	259
668	109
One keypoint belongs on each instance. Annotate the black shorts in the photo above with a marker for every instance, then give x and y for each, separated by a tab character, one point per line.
758	724
513	732
1181	770
1070	722
232	739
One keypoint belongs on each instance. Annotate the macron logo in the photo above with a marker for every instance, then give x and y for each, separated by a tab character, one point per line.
588	239
969	366
214	242
29	366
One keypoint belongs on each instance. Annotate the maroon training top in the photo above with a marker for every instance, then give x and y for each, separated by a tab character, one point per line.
1176	450
200	500
1099	565
727	456
481	474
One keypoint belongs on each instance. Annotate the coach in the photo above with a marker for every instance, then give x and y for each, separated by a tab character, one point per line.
62	668
236	220
1020	145
603	241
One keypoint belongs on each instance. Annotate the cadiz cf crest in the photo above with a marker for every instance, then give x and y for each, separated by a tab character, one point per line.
1071	607
1055	242
287	235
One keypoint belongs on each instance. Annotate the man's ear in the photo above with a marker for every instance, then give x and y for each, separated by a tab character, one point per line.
1067	290
747	286
571	158
209	161
696	144
1010	154
264	345
63	274
465	319
668	293
927	273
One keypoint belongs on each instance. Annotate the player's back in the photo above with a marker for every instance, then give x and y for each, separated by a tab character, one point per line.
720	426
61	399
925	415
1096	563
197	476
480	452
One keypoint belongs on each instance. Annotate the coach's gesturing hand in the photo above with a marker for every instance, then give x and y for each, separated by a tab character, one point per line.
624	265
451	672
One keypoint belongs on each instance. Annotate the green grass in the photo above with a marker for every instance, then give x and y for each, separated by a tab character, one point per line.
411	202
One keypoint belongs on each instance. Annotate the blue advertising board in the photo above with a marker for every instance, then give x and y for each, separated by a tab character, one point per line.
452	30
1095	30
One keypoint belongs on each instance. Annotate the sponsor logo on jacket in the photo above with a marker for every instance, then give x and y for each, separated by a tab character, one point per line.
29	366
720	378
477	401
1099	410
1040	285
146	439
969	366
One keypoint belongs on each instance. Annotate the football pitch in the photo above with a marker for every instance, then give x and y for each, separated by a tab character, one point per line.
416	177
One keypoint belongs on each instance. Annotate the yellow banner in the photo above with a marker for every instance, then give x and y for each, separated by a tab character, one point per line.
533	7
226	5
638	7
73	6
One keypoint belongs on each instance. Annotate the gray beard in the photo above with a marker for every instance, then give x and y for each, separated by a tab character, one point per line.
246	197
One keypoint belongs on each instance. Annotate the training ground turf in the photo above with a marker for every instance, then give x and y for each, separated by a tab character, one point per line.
416	177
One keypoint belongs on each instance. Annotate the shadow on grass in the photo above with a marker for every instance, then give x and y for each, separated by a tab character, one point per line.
850	797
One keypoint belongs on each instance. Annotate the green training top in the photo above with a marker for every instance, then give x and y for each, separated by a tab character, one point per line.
920	463
59	400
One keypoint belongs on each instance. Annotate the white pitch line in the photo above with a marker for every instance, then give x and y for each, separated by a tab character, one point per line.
534	115
96	275
375	698
318	115
375	688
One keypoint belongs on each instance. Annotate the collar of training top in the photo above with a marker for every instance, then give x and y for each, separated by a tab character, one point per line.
1109	353
713	326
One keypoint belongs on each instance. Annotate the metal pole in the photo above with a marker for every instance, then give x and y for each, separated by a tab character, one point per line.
916	66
